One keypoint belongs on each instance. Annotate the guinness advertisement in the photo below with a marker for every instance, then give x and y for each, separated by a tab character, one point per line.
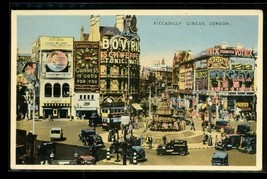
86	66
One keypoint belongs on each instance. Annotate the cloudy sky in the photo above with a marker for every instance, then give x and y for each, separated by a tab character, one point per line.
162	33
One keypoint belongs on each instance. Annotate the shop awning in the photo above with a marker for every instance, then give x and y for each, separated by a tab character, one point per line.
137	106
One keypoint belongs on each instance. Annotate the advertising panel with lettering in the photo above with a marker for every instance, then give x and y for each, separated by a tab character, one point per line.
86	68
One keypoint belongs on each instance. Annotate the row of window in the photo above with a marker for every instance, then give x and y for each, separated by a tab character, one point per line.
57	91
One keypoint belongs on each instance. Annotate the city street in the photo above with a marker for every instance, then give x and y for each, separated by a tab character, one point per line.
198	155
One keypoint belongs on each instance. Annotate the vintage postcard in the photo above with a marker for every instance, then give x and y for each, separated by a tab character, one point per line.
140	90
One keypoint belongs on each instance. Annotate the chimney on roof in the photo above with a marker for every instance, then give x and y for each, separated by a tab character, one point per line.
94	29
82	34
120	22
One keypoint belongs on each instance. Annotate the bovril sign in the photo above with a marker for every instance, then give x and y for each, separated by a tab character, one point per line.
119	49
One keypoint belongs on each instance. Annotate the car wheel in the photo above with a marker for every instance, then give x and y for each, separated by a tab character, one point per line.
182	152
160	152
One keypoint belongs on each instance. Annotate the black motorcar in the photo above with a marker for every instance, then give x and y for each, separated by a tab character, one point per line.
89	137
244	130
225	125
85	160
129	150
230	141
174	147
219	158
248	145
44	149
94	120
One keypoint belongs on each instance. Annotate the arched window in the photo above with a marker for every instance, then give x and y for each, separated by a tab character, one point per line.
66	90
57	90
48	90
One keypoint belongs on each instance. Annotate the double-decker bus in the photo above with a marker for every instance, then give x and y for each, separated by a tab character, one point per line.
111	117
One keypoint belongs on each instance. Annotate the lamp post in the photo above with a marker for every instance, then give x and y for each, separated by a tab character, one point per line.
197	99
71	95
209	125
217	105
30	97
209	107
109	100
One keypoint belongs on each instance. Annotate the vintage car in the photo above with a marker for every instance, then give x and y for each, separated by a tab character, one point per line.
89	137
219	158
94	120
85	160
230	141
129	150
56	133
225	125
248	145
44	149
140	153
244	130
174	147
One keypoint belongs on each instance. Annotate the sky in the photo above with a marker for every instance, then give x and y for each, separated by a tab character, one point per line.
161	35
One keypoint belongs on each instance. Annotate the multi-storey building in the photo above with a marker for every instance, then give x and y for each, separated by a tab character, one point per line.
55	57
119	60
162	75
223	74
226	74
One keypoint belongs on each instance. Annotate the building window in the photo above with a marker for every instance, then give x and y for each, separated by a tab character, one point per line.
84	96
66	90
81	96
88	96
57	90
48	90
92	96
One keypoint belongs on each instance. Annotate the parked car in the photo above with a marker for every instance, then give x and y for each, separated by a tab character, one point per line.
44	149
248	145
56	133
174	147
94	120
85	160
129	151
89	137
219	158
230	141
225	125
244	130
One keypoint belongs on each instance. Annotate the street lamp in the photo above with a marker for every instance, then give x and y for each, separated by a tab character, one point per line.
30	97
217	105
209	110
71	95
197	99
109	100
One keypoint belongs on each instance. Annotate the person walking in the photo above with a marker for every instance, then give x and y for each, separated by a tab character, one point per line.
164	138
204	139
150	142
193	126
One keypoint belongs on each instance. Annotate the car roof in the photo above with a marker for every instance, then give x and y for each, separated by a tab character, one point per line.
219	154
88	130
87	157
56	128
137	148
